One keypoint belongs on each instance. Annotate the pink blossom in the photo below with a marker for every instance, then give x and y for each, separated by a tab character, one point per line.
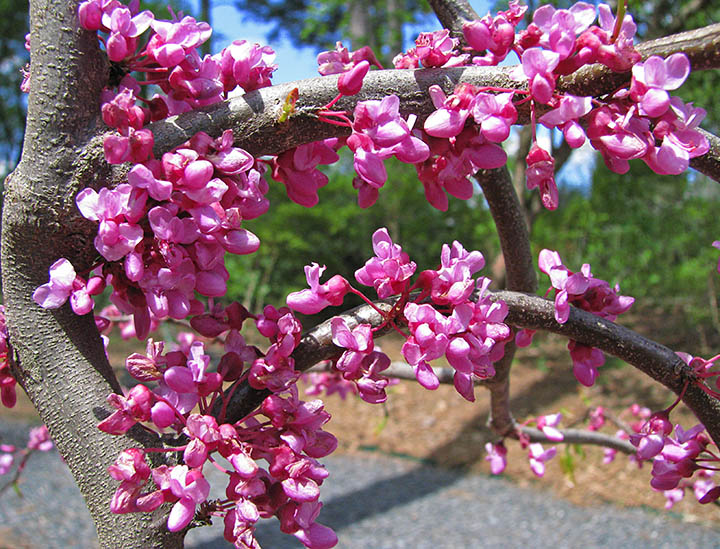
131	409
340	60
191	489
652	78
39	439
297	169
538	456
247	65
560	27
318	296
497	456
619	136
349	83
452	282
64	284
452	112
389	270
378	133
173	40
494	34
541	174
538	65
548	425
586	360
494	114
566	116
432	49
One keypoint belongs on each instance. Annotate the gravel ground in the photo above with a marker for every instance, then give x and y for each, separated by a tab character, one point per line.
371	501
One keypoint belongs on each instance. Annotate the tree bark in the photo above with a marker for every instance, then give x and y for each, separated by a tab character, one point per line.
59	357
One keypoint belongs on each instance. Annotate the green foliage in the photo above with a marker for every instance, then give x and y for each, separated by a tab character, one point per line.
651	233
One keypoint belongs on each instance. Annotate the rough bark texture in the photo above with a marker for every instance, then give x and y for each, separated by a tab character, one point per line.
60	358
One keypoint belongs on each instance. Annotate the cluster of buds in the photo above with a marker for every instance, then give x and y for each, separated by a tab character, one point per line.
290	439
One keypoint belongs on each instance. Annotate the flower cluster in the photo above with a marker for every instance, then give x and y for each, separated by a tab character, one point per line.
184	403
468	330
675	458
585	292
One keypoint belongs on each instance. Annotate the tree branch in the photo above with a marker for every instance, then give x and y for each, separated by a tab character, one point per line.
59	357
529	311
709	163
512	229
253	117
578	436
655	360
452	14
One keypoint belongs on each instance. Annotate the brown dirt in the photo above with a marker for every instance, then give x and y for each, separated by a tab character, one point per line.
441	428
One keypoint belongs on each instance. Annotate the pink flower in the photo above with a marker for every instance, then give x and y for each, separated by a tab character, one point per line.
297	169
378	133
497	456
494	34
349	83
548	425
340	60
318	296
64	284
494	113
131	409
566	116
173	40
247	65
560	27
586	361
538	65
389	270
39	439
452	112
652	78
541	174
538	456
191	488
452	282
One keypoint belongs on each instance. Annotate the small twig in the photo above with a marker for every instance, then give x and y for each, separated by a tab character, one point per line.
578	436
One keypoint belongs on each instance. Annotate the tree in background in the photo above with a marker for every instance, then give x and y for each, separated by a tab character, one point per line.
145	195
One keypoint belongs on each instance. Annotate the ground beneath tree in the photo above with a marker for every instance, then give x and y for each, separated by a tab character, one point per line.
441	428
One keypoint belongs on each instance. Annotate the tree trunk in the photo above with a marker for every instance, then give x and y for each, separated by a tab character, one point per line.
67	378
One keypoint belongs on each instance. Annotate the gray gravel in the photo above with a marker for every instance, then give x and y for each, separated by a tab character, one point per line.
372	501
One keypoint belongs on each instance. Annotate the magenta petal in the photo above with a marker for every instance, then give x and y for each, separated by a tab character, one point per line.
426	377
180	379
317	536
301	490
181	515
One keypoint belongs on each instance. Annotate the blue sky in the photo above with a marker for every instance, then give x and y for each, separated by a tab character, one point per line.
293	63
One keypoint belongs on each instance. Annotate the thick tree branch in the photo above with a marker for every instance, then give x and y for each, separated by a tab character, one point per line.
254	116
59	357
452	14
512	229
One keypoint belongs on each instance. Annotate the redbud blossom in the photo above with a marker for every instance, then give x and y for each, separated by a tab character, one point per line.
541	174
